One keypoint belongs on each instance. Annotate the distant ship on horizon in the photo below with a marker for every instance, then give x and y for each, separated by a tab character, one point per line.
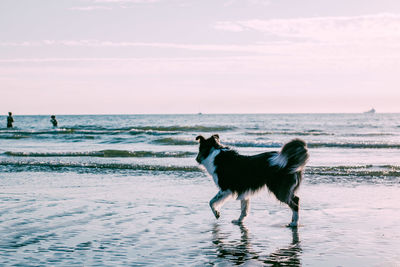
372	110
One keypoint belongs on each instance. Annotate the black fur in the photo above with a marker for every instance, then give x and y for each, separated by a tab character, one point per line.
242	174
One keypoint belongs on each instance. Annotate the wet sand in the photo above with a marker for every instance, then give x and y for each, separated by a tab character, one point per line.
71	219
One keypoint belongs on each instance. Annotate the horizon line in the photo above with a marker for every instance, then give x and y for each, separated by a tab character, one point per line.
195	113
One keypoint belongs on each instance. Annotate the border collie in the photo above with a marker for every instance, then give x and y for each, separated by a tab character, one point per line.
241	176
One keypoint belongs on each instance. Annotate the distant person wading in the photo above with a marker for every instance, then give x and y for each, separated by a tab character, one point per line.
54	121
10	120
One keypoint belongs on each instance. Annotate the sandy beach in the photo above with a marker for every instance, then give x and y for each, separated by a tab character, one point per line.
69	220
124	192
102	102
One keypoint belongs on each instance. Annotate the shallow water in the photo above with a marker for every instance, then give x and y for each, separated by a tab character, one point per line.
88	219
140	199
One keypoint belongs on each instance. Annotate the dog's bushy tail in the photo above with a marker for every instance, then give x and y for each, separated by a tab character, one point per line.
293	156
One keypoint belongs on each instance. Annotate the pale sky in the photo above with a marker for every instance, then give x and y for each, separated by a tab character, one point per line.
189	56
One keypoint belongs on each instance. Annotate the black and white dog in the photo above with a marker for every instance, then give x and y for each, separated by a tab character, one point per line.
241	176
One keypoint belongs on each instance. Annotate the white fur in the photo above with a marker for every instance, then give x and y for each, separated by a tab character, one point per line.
220	198
208	163
278	160
248	194
245	206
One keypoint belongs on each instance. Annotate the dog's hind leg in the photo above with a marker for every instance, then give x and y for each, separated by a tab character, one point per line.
219	200
245	206
294	205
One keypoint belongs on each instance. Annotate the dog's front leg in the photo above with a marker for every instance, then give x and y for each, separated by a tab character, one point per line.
245	206
219	200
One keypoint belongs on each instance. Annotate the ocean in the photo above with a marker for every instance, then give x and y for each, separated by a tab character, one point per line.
125	190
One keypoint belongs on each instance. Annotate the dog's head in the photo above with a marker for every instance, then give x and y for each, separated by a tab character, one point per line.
206	146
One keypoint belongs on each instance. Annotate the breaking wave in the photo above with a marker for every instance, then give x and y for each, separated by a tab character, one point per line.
92	167
105	154
313	174
270	144
104	130
365	170
295	133
353	174
195	128
174	142
354	145
315	145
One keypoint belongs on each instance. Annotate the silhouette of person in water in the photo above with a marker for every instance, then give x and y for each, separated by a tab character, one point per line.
54	121
10	120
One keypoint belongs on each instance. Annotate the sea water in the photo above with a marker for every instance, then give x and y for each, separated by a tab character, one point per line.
126	190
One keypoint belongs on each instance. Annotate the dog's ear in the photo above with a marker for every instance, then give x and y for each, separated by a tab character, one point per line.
216	137
200	138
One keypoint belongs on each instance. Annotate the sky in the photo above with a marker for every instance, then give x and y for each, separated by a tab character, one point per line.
190	56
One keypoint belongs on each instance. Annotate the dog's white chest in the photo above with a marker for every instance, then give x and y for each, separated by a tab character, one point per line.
208	163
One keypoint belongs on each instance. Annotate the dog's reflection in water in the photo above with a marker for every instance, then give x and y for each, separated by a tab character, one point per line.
240	251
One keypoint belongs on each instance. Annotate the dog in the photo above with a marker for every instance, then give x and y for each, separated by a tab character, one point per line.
242	176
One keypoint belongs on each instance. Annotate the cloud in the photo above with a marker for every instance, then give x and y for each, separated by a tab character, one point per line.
287	48
90	8
252	48
126	1
279	55
326	44
229	26
228	3
378	27
111	4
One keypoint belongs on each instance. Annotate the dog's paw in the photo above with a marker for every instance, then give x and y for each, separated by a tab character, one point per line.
292	224
216	214
237	222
